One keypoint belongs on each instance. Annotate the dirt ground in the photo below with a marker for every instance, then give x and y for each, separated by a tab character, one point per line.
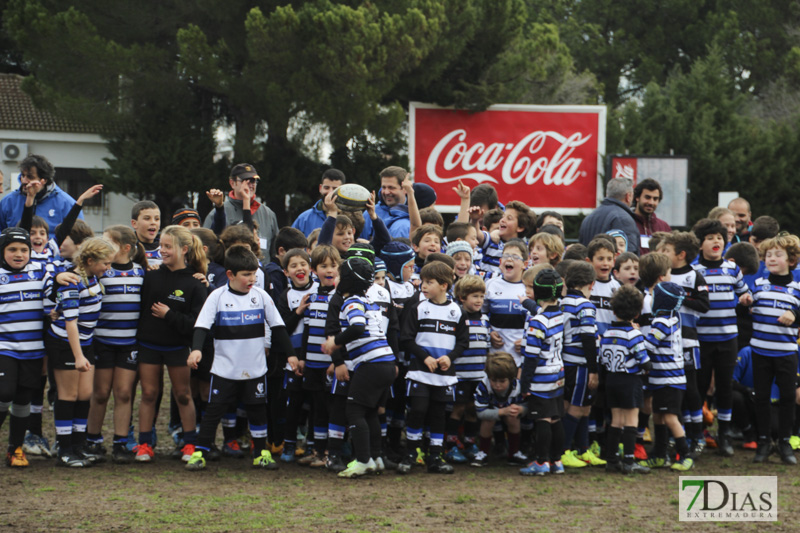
230	496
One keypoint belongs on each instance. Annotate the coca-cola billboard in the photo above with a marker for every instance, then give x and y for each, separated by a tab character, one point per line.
546	156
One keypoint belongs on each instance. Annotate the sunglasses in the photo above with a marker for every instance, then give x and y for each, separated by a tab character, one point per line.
254	181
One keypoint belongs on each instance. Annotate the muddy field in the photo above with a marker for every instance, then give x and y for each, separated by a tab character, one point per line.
229	496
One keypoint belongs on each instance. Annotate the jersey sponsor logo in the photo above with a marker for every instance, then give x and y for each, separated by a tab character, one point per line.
441	326
32	295
13	297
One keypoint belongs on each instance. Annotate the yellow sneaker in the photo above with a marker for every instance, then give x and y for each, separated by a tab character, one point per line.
794	442
591	459
647	437
17	459
570	460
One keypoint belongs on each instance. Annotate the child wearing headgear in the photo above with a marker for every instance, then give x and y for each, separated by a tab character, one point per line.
461	252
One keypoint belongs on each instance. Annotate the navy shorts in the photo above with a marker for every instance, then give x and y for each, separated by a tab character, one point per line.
465	391
434	393
246	391
151	356
576	386
315	379
667	400
292	382
370	385
15	373
115	356
623	391
60	355
539	407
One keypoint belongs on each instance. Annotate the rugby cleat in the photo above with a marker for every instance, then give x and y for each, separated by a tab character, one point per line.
265	461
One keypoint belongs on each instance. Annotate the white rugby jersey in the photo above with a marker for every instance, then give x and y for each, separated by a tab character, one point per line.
400	292
21	316
506	313
119	311
240	322
470	366
601	298
49	253
383	298
435	328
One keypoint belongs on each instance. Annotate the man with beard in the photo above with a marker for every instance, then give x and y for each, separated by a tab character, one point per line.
647	195
741	210
311	219
392	208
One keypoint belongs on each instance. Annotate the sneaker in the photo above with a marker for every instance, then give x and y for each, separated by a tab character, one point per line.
656	462
794	442
176	454
647	436
556	467
454	455
95	448
36	445
86	453
590	458
535	469
404	466
388	464
471	450
17	459
517	459
685	464
131	440
724	446
356	469
614	467
188	450
276	450
334	463
711	442
595	448
213	453
144	453
71	460
288	455
480	459
265	461
696	449
437	465
634	468
750	445
121	455
763	450
379	466
175	432
232	449
319	461
420	457
310	458
196	461
570	460
244	442
639	452
784	450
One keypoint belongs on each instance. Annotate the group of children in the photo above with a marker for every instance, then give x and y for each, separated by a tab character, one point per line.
449	347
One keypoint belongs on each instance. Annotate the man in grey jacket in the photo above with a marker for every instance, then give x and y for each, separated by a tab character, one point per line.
614	212
243	181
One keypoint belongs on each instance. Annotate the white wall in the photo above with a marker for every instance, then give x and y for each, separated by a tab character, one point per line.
69	150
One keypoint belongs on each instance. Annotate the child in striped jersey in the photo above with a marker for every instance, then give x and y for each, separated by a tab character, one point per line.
776	308
518	222
21	344
717	329
69	346
667	379
434	332
502	303
498	396
623	356
240	314
580	364
600	254
370	365
146	222
682	247
470	291
115	342
542	380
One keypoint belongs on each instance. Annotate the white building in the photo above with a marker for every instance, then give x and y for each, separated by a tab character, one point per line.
72	148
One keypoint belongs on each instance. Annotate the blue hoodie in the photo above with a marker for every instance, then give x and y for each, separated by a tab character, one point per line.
52	204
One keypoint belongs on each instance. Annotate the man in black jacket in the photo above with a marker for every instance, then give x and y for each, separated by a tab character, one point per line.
614	212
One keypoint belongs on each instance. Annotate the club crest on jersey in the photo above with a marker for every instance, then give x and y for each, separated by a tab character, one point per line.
254	300
177	295
228	305
110	273
3	279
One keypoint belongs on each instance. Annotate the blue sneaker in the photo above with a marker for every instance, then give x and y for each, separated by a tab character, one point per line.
175	432
536	469
132	442
287	455
454	455
557	467
471	451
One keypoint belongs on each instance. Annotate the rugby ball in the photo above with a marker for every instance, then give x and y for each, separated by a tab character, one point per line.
351	197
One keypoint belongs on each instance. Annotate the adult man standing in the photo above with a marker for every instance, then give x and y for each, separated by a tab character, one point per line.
243	181
392	208
647	196
51	203
741	210
312	218
614	212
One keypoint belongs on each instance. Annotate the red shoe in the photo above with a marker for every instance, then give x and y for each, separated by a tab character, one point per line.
752	445
640	453
708	415
144	453
711	442
187	452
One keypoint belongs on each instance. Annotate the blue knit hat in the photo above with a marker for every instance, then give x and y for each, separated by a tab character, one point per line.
396	255
618	233
424	194
667	298
380	266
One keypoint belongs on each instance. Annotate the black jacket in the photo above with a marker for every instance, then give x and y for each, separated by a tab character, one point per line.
183	294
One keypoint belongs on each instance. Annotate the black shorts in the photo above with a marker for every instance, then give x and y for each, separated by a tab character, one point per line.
370	385
315	379
203	372
576	386
292	382
465	391
113	356
235	391
150	356
539	407
667	400
15	373
60	355
341	388
432	392
623	391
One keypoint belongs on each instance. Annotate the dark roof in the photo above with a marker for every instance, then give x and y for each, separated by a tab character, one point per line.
17	111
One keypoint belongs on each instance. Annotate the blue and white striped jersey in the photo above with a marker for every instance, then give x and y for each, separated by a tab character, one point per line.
770	301
293	299
543	369
49	253
694	305
371	346
434	330
79	302
240	322
314	325
21	317
665	348
51	270
580	318
487	398
601	298
119	312
506	313
725	285
153	253
470	366
622	349
492	251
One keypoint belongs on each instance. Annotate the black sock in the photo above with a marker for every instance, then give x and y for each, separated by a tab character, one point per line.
451	428
614	435
79	423
556	440
471	428
682	447
660	444
628	443
63	413
570	425
544	437
18	425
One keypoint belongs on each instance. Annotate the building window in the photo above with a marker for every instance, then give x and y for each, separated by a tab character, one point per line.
75	181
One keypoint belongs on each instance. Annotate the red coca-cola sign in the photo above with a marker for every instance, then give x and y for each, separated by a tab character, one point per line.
546	156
